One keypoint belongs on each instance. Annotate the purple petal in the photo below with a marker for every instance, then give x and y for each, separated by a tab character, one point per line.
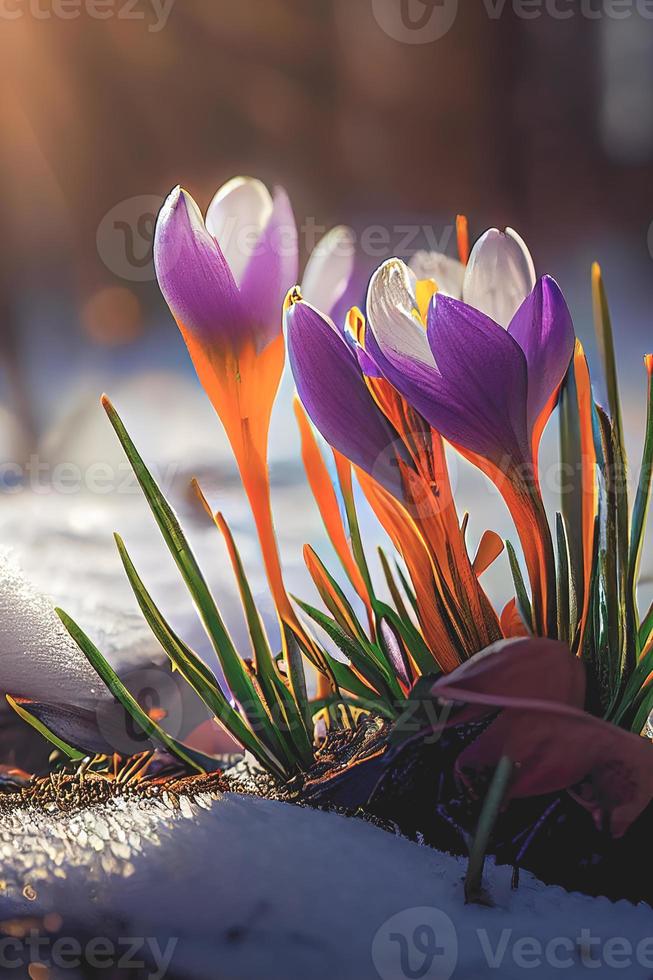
395	650
475	392
543	328
336	398
193	274
484	379
367	365
271	271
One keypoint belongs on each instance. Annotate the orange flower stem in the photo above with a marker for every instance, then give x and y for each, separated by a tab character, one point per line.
256	481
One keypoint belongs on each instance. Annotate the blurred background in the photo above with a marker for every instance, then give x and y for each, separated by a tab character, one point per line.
390	115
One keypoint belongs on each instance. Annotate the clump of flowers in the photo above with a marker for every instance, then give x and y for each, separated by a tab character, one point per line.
476	353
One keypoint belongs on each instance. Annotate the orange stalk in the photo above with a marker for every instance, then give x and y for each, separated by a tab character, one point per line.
406	537
242	387
588	478
462	235
327	502
526	508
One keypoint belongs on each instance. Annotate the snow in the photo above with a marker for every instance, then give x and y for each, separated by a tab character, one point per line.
251	888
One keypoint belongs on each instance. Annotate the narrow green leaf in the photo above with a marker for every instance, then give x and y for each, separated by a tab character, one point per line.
408	589
635	690
373	706
643	712
492	804
199	676
612	571
109	677
646	629
605	338
642	499
617	600
74	754
347	491
523	602
349	681
563	582
239	681
333	597
279	699
393	588
571	497
376	674
294	645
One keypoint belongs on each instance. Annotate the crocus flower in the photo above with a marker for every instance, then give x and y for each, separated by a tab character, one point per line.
496	280
386	440
489	391
538	686
224	281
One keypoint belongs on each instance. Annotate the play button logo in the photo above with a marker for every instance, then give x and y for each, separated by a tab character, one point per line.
415	21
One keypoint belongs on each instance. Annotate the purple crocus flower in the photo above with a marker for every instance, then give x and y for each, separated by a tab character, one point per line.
484	388
225	279
487	390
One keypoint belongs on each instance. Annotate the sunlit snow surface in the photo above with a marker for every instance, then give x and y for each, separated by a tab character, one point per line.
251	888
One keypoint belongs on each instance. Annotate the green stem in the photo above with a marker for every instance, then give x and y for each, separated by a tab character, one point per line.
489	814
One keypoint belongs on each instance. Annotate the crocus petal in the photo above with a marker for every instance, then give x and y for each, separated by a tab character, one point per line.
330	269
395	651
481	402
499	275
392	314
271	271
193	274
445	375
543	328
335	396
448	274
369	368
236	218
